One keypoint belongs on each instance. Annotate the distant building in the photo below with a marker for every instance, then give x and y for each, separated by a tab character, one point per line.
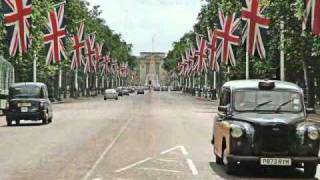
150	69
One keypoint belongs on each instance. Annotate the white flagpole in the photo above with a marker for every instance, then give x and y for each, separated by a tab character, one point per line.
247	65
76	85
60	78
214	80
228	73
87	81
193	82
206	80
35	67
282	70
189	82
102	84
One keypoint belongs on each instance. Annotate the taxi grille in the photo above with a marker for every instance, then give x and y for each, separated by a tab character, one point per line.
275	139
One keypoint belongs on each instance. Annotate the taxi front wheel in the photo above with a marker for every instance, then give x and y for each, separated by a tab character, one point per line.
9	121
310	170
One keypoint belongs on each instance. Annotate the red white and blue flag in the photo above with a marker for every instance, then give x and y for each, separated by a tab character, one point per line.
106	65
201	54
90	53
229	25
17	18
252	14
55	36
98	53
78	45
214	50
313	8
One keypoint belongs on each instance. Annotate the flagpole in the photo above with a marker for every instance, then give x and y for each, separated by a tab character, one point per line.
247	65
76	85
87	83
60	82
282	70
35	66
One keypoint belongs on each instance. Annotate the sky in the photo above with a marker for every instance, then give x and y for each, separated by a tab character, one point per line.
141	22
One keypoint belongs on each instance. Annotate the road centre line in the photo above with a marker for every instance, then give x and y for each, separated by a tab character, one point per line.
108	148
192	167
162	170
182	148
168	160
133	165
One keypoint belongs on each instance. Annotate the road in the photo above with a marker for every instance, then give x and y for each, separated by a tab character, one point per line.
158	135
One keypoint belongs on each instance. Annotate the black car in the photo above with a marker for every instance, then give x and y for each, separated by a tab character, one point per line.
28	101
264	123
140	90
120	91
164	88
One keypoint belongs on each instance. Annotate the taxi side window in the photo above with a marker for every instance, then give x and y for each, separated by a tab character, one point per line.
225	97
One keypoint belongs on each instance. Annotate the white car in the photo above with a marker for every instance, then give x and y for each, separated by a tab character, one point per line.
110	94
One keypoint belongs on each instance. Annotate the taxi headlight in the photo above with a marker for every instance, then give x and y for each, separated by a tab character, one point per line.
313	133
236	131
41	105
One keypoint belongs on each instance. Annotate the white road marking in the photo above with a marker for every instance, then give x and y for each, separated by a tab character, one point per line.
182	148
192	167
168	160
97	179
133	165
162	170
108	148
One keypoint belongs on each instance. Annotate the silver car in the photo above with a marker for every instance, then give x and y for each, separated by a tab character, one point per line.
110	94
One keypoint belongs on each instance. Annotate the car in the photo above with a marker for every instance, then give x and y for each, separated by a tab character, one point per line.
110	94
164	88
140	90
125	91
119	91
28	101
157	88
132	89
263	123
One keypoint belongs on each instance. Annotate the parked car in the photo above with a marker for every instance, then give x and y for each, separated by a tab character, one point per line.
110	94
132	89
140	90
157	88
264	123
119	91
164	88
28	101
125	92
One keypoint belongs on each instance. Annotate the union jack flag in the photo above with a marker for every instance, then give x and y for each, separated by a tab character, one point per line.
214	50
254	21
313	7
78	44
98	52
124	70
106	65
17	16
201	54
229	25
54	38
193	59
90	53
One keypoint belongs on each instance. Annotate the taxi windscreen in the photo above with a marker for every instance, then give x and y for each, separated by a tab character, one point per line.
275	101
24	92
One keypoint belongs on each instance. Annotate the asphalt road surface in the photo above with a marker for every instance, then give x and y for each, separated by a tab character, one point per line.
159	135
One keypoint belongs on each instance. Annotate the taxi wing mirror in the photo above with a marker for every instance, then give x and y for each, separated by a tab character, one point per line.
223	109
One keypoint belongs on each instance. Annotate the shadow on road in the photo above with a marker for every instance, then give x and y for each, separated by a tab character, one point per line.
258	173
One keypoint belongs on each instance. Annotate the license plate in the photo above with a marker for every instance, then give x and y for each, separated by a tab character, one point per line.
275	161
24	104
24	109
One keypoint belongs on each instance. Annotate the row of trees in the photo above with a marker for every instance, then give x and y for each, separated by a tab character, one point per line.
301	47
76	11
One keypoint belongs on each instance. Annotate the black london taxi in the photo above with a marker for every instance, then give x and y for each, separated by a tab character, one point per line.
28	101
263	123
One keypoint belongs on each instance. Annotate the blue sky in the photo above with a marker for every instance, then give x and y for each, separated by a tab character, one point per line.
140	20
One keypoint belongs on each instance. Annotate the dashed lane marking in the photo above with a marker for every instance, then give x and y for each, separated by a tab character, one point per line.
161	170
133	165
107	149
192	167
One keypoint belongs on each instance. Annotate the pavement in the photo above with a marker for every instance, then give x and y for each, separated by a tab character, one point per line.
159	135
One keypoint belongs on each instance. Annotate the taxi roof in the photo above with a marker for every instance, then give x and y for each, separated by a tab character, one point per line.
254	84
28	84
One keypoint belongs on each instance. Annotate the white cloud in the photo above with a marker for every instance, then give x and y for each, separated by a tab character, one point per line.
140	20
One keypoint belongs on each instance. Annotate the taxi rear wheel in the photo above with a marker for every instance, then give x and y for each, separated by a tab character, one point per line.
9	121
45	119
310	170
